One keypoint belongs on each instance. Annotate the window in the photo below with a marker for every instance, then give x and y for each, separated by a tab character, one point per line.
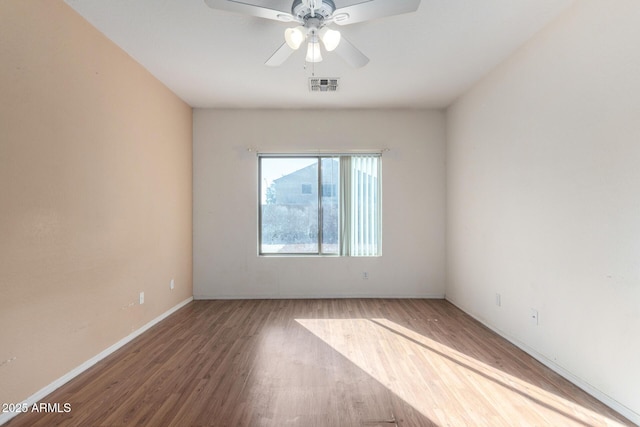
306	189
320	205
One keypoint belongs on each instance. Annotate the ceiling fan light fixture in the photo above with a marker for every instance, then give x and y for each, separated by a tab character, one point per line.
330	38
313	52
295	36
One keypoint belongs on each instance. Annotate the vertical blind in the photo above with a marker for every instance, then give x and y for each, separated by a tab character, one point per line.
360	213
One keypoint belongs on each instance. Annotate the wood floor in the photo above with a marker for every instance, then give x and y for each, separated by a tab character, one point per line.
348	362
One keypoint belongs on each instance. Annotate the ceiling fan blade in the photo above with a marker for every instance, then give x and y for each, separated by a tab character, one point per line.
279	56
351	54
276	10
373	9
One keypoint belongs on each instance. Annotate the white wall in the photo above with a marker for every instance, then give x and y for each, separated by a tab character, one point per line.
543	177
226	263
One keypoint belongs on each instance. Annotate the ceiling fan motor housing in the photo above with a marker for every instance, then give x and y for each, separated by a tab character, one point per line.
306	9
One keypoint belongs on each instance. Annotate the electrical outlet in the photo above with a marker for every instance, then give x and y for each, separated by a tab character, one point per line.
172	285
365	275
141	297
534	316
498	300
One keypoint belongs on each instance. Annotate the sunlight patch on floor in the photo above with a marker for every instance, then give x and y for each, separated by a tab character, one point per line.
442	383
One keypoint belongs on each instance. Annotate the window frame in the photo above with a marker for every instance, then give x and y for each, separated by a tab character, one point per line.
319	157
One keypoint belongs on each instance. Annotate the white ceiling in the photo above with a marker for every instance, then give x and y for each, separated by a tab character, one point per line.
215	59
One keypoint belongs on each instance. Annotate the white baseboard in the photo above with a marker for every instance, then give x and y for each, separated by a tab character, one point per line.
40	394
569	376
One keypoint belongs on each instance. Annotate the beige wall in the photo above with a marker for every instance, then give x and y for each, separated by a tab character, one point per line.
95	195
226	197
544	198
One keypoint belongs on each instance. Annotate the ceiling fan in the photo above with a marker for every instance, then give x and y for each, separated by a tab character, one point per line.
314	18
